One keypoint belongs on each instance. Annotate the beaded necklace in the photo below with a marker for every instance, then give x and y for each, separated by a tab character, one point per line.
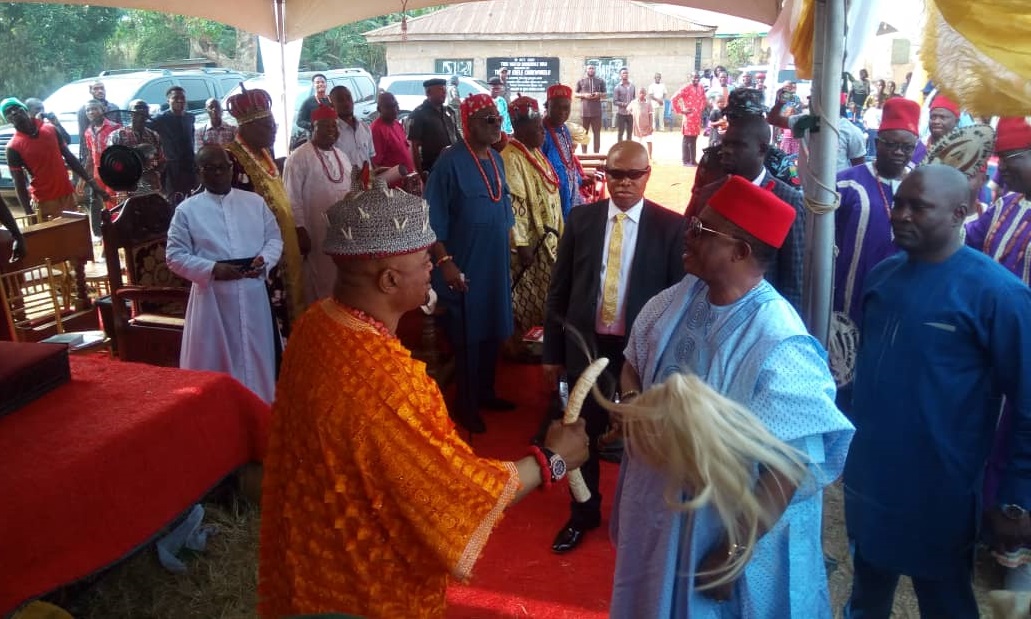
483	173
560	146
546	171
325	167
368	321
266	160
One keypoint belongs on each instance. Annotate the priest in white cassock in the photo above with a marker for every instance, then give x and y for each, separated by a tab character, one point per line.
317	175
225	240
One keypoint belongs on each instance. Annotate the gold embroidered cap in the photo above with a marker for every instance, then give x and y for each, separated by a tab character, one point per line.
374	221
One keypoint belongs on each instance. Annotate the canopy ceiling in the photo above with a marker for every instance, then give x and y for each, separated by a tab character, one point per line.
307	17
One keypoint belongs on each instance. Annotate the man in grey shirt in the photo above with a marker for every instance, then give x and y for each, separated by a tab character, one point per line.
622	97
591	90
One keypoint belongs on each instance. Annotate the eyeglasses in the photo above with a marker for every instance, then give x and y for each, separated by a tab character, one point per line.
1016	154
695	228
897	146
490	120
617	175
213	168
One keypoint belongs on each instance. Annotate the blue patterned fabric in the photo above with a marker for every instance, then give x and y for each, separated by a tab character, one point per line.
755	351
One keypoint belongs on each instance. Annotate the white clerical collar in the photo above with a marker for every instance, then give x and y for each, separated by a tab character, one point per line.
633	213
758	180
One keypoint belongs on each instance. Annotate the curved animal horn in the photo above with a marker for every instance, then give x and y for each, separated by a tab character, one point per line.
576	401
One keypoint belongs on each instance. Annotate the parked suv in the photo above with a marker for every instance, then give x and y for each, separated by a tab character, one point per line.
358	81
408	90
122	87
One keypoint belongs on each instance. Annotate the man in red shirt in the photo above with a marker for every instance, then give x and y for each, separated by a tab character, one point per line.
37	158
389	140
97	136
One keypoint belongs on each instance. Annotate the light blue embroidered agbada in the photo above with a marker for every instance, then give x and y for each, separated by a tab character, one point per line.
757	352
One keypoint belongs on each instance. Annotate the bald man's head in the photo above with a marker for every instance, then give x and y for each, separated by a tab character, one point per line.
627	170
928	211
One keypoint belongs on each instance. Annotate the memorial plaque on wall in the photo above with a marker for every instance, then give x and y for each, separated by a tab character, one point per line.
526	73
607	68
454	66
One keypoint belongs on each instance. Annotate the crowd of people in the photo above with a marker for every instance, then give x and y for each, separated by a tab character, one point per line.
301	275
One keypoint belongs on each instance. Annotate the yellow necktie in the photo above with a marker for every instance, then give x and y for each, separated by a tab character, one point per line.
610	292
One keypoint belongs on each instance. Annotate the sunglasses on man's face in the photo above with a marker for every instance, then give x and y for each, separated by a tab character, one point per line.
617	175
490	119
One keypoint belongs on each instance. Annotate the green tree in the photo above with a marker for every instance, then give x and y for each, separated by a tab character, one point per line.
148	38
344	46
47	45
741	52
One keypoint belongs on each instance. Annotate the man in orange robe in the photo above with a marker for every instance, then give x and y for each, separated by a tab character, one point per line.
370	498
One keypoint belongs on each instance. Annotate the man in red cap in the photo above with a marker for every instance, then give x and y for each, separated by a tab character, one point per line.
943	118
1002	232
317	175
558	146
724	323
862	225
471	213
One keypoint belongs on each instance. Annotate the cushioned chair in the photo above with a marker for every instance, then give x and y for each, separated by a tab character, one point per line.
148	301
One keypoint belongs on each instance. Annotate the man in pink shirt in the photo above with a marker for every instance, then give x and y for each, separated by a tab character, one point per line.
389	140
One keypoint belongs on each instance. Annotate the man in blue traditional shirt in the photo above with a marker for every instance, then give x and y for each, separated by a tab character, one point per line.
471	213
726	324
946	333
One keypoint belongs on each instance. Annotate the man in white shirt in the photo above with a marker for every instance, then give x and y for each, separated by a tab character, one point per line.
355	136
225	241
316	176
614	255
658	94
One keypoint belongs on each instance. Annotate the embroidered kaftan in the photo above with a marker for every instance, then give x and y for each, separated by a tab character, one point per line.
537	208
370	498
309	176
757	352
558	148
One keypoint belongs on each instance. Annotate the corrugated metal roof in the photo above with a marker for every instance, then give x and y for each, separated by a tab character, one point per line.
542	18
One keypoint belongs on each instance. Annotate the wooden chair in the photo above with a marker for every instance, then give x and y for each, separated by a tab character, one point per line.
33	309
148	301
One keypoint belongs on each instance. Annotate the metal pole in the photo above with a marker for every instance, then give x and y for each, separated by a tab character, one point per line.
828	60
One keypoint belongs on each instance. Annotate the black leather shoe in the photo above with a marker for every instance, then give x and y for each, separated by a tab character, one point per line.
497	404
569	537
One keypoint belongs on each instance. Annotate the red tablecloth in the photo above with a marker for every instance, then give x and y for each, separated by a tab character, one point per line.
95	468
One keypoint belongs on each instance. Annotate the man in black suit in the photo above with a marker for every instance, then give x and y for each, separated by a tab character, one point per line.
743	152
614	255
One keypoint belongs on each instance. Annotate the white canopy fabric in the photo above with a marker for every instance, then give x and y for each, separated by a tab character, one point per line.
307	17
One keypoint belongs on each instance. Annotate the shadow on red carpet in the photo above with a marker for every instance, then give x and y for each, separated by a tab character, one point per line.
518	575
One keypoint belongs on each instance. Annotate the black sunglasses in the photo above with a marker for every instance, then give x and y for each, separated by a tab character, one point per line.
617	175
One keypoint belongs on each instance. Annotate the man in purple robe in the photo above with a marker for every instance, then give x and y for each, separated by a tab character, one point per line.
1004	231
863	226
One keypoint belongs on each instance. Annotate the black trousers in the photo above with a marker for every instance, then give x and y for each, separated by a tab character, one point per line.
475	369
592	124
587	515
624	123
690	150
873	593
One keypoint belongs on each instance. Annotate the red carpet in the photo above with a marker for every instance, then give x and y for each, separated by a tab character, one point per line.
518	574
94	469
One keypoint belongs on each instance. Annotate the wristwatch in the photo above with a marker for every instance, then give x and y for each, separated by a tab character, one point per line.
1013	511
556	463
